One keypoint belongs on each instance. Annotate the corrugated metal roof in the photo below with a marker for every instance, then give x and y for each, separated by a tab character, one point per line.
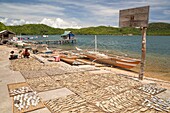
66	33
1	32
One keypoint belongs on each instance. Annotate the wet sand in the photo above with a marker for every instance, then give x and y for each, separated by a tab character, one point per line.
154	72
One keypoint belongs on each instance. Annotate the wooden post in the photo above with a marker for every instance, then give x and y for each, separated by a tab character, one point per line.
95	43
143	54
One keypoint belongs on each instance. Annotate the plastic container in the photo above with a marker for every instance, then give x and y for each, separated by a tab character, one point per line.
57	58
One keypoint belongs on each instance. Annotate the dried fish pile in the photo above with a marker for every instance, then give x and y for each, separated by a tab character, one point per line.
33	74
101	80
69	68
62	69
82	87
95	95
122	85
66	80
55	71
75	78
151	89
24	101
25	64
86	108
116	89
157	104
50	65
122	101
87	85
18	91
88	68
30	65
71	103
43	84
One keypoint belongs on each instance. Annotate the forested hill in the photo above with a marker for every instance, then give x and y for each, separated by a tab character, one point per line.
159	29
35	29
40	29
2	26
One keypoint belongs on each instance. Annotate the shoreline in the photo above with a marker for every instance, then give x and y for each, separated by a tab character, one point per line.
165	76
149	70
96	85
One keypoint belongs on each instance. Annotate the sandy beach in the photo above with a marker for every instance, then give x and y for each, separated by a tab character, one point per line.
86	88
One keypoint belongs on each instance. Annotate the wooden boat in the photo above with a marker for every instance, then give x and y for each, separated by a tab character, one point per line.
118	61
68	60
71	61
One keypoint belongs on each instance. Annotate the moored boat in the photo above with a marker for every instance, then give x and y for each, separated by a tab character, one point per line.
118	61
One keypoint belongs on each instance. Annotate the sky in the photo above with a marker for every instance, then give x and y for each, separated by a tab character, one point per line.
77	13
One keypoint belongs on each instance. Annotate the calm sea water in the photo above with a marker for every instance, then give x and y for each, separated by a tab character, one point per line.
158	47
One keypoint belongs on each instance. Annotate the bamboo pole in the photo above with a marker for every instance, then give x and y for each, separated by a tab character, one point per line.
143	54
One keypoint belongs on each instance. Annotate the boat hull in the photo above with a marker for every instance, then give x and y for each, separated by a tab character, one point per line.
71	61
68	60
116	63
121	62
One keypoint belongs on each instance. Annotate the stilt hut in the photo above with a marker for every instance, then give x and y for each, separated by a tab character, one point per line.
68	35
6	35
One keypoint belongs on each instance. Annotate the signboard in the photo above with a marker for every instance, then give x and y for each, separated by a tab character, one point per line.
135	17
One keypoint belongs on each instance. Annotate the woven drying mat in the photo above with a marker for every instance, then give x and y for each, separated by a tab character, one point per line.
14	86
31	108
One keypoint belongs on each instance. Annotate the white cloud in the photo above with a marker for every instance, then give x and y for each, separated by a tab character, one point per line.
31	12
56	23
71	13
59	23
11	22
166	12
102	10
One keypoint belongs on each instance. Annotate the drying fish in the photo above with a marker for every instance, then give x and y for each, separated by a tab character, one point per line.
151	89
24	101
20	91
157	104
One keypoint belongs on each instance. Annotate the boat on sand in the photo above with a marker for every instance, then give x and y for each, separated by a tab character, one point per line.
71	60
118	61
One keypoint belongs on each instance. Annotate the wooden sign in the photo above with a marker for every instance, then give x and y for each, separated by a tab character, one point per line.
135	17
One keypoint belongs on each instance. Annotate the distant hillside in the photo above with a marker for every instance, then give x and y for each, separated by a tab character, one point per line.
2	27
103	30
159	29
40	29
35	29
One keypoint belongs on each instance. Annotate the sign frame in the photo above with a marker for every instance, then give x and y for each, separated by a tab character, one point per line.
137	17
134	17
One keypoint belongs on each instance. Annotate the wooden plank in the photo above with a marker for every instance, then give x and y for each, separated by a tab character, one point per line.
143	54
14	86
134	17
90	62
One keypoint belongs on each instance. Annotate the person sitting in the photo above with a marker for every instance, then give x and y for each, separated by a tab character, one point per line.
25	53
12	56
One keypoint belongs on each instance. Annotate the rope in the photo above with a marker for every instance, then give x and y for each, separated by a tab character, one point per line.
91	45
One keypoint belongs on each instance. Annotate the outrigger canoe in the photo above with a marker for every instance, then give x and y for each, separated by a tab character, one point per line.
117	61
